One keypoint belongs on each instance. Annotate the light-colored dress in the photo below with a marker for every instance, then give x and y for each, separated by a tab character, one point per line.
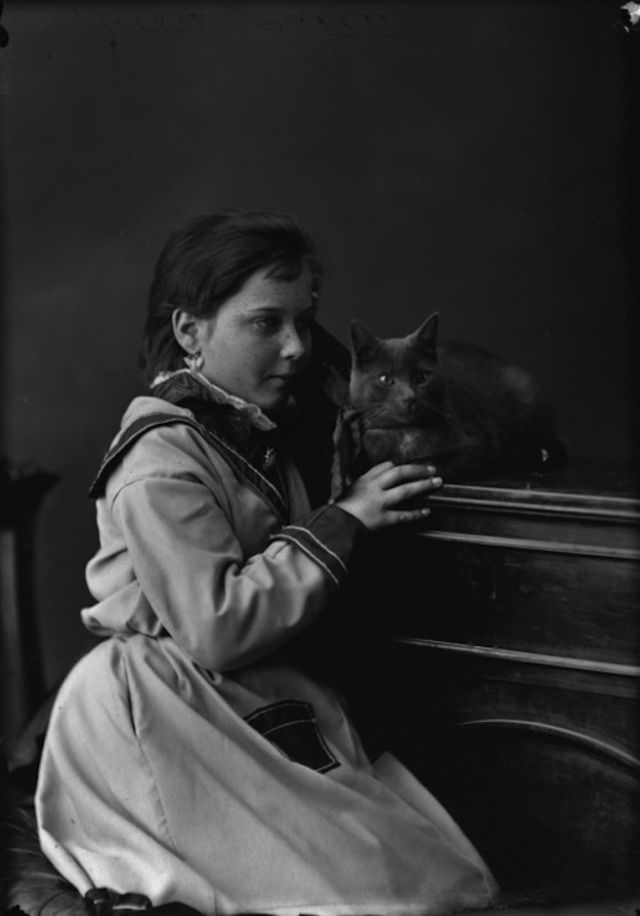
187	758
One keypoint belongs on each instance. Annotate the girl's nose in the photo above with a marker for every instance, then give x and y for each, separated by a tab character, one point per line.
293	346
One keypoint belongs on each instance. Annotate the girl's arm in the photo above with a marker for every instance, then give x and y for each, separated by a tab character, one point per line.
225	609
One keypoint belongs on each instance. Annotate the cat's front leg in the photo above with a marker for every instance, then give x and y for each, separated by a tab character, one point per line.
379	445
454	457
400	445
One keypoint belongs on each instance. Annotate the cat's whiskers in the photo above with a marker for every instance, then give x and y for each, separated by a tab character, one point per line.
381	417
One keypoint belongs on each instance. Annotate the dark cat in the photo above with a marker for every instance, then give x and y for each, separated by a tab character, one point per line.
464	410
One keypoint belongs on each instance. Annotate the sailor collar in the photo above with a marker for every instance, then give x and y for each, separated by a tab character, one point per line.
188	384
246	437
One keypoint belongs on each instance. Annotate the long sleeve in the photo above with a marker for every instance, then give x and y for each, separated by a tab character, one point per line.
224	609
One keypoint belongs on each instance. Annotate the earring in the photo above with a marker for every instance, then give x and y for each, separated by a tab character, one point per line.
195	361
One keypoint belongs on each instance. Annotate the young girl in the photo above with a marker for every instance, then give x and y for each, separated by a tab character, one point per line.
189	758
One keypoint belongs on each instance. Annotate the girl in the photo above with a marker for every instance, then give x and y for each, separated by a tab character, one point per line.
189	757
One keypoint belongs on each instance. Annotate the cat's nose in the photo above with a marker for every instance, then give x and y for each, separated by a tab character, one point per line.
410	405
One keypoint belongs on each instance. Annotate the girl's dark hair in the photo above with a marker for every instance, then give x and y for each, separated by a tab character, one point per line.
207	261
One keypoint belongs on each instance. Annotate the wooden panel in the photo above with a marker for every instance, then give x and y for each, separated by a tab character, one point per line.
500	596
532	569
586	536
448	687
579	483
584	505
549	810
510	682
539	765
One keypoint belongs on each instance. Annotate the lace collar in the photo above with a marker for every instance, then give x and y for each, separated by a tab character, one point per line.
191	383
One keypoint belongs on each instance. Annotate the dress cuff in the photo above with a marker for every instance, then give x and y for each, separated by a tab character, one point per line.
327	536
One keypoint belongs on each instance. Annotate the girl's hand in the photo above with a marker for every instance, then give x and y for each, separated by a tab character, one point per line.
375	497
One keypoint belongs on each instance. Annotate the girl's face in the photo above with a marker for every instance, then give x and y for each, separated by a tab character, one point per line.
260	338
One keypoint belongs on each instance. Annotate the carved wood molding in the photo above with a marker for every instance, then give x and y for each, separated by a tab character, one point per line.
516	502
588	742
532	544
529	658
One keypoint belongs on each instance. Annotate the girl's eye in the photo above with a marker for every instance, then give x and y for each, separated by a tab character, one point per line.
421	378
386	379
266	324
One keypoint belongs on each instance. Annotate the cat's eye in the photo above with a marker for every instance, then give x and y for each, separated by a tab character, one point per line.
386	379
421	378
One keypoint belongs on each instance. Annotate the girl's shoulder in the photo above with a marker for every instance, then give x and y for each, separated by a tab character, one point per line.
156	438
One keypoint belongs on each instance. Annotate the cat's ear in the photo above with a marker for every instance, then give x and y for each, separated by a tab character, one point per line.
427	333
364	344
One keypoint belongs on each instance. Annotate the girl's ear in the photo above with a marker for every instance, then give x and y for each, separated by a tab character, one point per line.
427	332
364	344
185	330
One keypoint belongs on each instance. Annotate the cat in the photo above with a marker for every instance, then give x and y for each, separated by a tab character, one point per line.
460	408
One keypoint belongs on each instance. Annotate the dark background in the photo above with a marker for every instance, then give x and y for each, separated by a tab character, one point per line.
467	157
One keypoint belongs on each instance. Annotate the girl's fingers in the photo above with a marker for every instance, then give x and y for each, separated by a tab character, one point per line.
397	474
414	488
378	469
406	515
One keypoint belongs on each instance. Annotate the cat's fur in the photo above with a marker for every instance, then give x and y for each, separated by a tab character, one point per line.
462	409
